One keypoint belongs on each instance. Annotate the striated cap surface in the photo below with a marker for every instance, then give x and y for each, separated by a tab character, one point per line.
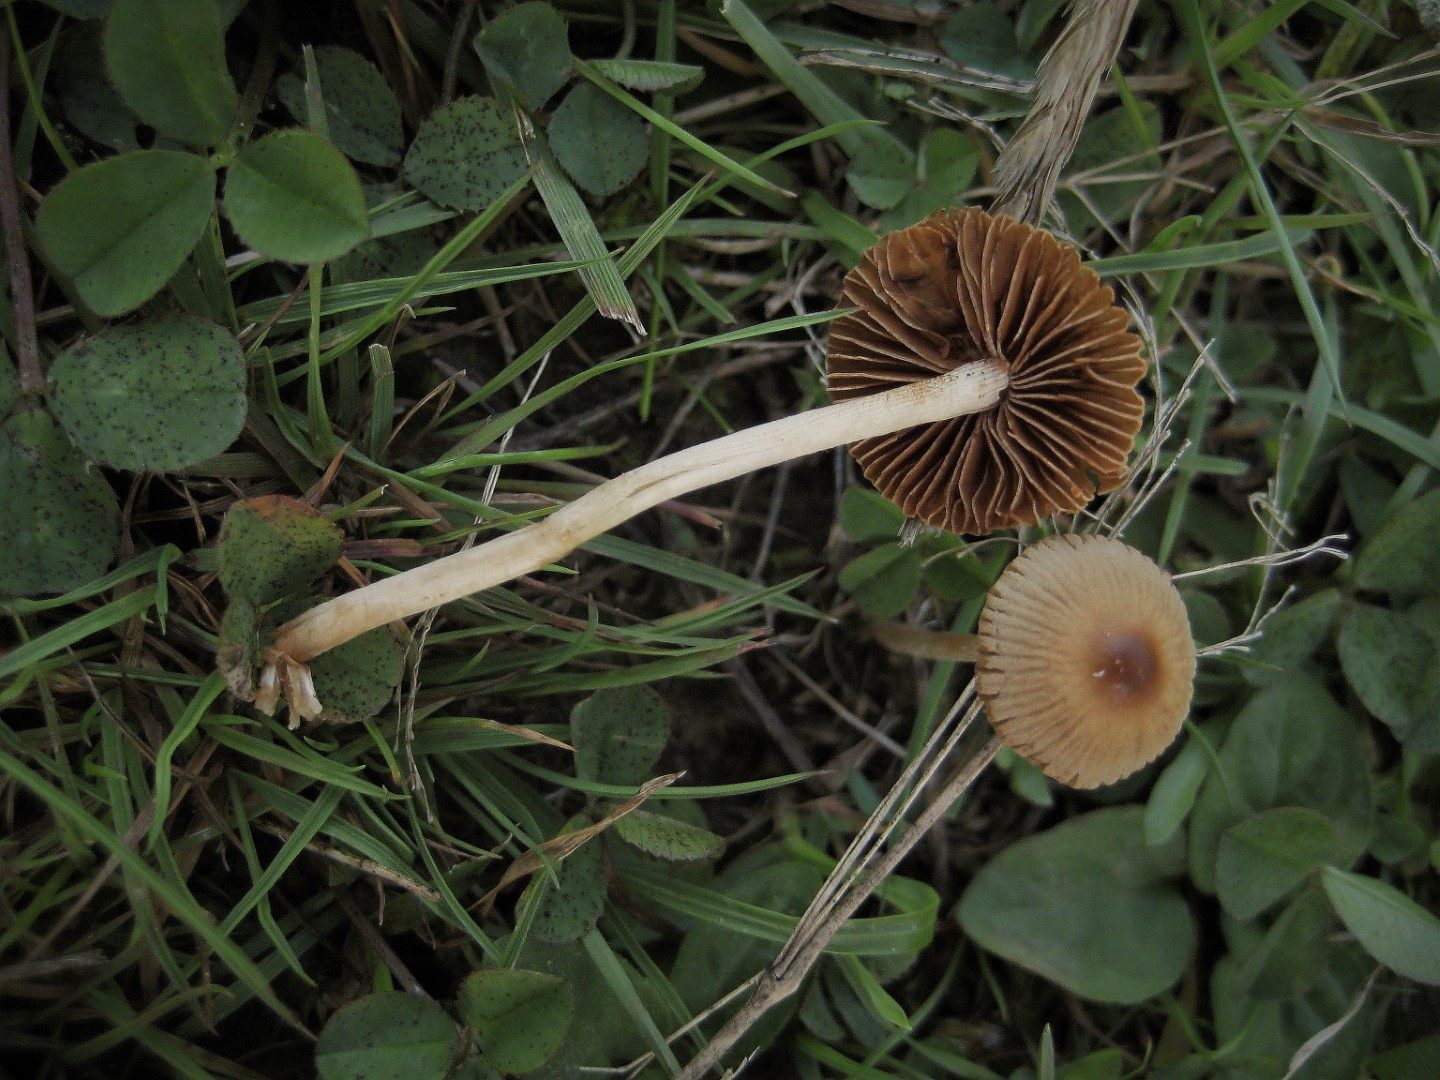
1087	665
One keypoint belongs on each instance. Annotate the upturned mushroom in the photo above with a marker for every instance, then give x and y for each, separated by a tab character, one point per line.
1083	658
962	315
961	286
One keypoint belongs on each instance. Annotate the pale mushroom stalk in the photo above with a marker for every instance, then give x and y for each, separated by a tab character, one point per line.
925	644
968	389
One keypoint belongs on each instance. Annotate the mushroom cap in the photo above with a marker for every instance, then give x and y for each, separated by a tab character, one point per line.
1087	664
964	286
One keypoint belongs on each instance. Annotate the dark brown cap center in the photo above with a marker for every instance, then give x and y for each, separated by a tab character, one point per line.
1125	665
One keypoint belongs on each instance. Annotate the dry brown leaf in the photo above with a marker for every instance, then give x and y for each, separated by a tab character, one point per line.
559	848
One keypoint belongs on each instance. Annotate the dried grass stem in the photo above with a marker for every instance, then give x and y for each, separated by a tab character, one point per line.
1069	77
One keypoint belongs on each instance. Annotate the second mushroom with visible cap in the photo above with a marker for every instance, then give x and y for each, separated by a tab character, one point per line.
1083	658
1086	661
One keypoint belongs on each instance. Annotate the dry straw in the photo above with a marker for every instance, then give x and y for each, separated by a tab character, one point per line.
1029	167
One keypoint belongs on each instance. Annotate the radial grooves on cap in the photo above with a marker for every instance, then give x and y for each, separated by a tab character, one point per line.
1048	626
963	286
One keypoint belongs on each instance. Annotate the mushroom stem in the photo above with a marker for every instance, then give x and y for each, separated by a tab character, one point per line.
926	644
968	389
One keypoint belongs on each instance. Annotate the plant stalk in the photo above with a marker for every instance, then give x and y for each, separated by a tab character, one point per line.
787	974
1029	167
972	388
926	644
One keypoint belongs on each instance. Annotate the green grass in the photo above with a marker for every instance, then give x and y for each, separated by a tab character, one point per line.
189	887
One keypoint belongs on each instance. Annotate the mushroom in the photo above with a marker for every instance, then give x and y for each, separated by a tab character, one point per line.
963	286
1083	658
1087	665
946	322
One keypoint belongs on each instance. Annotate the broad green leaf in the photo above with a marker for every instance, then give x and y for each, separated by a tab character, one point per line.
272	547
292	196
867	515
1291	745
1173	795
466	154
1292	635
879	176
1098	1065
603	1033
400	254
1423	736
388	1037
1242	349
1111	144
1267	1034
362	114
1418	1060
1026	779
61	522
982	36
156	395
529	47
167	59
519	1017
357	679
1367	492
1393	666
1209	621
1087	905
650	76
121	228
883	581
952	573
951	161
1394	929
569	901
1263	857
86	96
618	734
668	839
597	140
1291	957
1404	558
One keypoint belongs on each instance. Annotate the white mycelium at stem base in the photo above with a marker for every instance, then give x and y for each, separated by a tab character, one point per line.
972	388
